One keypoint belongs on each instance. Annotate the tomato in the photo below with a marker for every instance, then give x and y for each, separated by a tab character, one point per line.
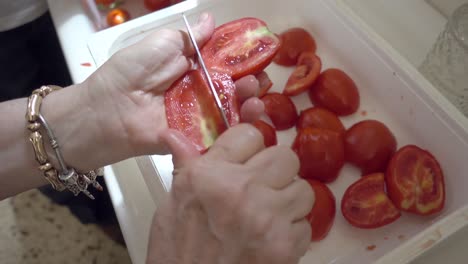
268	132
369	145
281	110
336	91
241	47
154	5
294	41
117	16
366	205
415	181
191	109
264	82
320	118
320	152
323	213
308	69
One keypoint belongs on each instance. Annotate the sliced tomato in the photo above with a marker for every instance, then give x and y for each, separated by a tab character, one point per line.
117	16
320	152
191	109
415	181
154	5
264	82
320	118
369	145
268	132
306	73
366	205
240	47
294	41
281	110
323	213
335	91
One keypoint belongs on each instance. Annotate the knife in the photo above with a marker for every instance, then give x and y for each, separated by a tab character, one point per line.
205	70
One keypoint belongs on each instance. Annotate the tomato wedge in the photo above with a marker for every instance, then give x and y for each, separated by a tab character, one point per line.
240	47
320	118
323	213
281	110
264	82
294	41
320	152
303	77
191	109
415	181
268	132
366	205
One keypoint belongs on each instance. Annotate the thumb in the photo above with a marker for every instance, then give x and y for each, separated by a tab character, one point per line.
182	150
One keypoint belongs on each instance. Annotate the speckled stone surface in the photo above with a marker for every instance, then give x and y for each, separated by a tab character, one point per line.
34	230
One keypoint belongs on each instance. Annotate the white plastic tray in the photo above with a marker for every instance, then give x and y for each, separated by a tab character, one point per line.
391	91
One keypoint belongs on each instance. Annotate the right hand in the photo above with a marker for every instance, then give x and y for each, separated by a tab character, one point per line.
238	203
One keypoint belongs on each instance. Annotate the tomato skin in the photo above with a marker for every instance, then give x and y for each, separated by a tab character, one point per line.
320	152
264	82
294	41
281	110
415	181
323	213
366	205
240	47
369	145
117	16
191	109
335	91
320	118
154	5
268	132
303	77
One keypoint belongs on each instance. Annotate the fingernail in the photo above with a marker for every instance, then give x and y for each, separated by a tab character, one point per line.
203	17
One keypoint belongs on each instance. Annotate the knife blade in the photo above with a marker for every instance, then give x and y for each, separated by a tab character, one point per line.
219	105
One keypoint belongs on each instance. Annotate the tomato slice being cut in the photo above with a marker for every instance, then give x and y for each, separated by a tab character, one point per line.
264	82
323	213
320	152
191	109
303	77
415	181
320	118
369	145
268	132
240	47
366	205
294	41
281	110
335	91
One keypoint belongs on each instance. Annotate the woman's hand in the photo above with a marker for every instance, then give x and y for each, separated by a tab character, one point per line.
238	203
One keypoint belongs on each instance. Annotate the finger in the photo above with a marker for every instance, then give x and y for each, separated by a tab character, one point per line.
182	150
303	233
247	87
237	145
279	166
202	32
252	110
297	199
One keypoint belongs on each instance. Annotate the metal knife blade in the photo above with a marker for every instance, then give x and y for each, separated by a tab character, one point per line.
205	70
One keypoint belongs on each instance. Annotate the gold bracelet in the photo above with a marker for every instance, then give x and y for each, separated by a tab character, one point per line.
66	178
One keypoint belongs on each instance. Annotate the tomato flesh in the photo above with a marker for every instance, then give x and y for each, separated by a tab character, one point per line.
323	213
294	42
320	152
241	47
191	109
320	118
268	132
366	205
303	77
415	181
281	110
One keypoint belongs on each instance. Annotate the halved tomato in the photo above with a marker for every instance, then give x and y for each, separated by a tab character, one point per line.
294	41
264	82
281	110
268	132
191	109
320	152
415	181
240	47
320	118
366	205
323	213
303	77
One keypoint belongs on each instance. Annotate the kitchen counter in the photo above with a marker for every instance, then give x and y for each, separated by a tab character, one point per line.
411	27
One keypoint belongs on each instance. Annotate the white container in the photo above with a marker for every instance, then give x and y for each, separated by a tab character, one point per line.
392	91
